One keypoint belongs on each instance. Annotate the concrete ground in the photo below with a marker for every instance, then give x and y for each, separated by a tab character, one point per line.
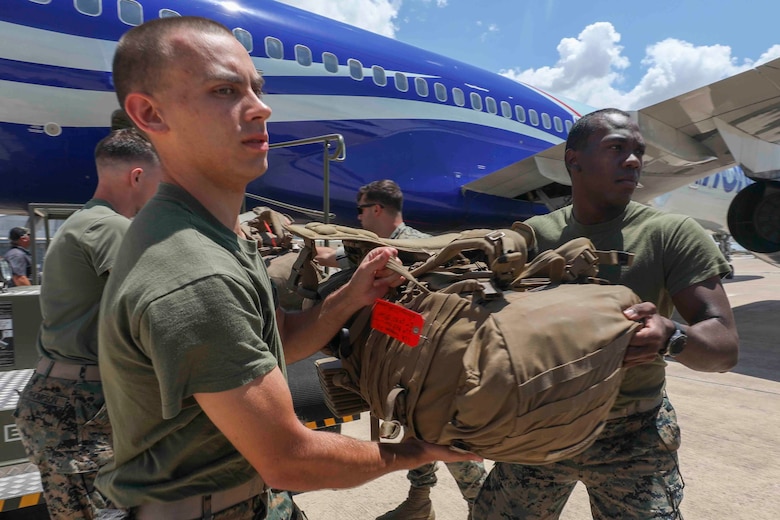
730	455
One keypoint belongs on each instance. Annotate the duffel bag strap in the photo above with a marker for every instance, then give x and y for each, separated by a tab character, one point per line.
391	428
505	250
549	265
398	268
484	286
305	277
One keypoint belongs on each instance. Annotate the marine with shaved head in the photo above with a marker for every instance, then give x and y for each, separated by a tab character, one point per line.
193	347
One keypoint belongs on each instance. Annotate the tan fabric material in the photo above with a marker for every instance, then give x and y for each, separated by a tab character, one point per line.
513	374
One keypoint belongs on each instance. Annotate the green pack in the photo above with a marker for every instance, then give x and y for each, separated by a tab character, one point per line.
518	362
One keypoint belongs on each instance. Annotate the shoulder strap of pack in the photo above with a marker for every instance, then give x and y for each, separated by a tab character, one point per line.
577	260
368	240
505	253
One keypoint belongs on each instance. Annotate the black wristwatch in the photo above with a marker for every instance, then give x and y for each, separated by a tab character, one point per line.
676	343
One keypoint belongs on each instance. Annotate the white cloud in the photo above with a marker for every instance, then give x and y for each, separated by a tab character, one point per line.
591	67
491	29
373	15
772	53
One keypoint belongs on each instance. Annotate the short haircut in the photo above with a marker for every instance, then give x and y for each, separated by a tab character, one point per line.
17	232
125	144
385	192
145	52
587	124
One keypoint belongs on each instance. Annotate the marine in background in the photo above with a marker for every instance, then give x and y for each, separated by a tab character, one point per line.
61	413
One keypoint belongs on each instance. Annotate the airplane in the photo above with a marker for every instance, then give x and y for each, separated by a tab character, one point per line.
707	200
469	147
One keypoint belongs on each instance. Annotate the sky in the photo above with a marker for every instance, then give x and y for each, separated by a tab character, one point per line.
602	53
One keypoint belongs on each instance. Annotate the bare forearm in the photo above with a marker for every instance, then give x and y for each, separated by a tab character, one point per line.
259	420
335	461
712	346
306	332
20	280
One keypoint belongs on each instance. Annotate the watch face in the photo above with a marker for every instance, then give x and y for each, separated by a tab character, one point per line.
677	343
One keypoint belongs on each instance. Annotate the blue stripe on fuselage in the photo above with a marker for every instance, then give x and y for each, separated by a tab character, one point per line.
54	76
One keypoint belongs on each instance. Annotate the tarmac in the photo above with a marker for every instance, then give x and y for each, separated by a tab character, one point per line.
730	454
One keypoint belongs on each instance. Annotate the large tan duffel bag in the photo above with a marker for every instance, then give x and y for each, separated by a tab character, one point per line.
508	364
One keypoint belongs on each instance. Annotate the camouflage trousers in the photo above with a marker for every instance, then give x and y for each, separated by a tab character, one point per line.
469	475
630	472
65	431
272	505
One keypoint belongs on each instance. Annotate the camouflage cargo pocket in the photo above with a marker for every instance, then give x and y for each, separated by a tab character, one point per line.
667	426
64	424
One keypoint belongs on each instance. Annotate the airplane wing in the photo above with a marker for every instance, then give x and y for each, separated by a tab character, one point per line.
735	121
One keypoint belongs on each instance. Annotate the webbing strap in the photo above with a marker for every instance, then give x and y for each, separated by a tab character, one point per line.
438	320
615	257
304	275
505	251
548	264
391	427
398	268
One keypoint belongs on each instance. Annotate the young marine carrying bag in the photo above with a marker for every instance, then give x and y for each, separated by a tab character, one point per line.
515	362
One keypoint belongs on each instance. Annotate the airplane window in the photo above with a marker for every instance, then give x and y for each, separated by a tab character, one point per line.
458	97
380	78
441	91
546	121
274	48
355	69
330	61
303	55
131	12
168	13
490	103
401	82
89	7
421	86
506	109
533	116
569	124
244	38
476	101
520	113
558	124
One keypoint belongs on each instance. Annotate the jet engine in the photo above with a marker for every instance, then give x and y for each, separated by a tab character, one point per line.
754	217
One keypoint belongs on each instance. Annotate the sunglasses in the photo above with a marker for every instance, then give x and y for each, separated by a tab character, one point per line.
361	207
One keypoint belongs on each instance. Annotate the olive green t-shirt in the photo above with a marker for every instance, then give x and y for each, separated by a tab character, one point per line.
188	309
672	252
75	271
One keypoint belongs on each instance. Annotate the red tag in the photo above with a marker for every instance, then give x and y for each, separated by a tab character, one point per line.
397	322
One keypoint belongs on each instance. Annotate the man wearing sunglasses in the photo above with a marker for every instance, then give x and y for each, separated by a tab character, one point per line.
379	210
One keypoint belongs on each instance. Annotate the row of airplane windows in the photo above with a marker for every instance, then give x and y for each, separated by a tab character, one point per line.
274	48
131	13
